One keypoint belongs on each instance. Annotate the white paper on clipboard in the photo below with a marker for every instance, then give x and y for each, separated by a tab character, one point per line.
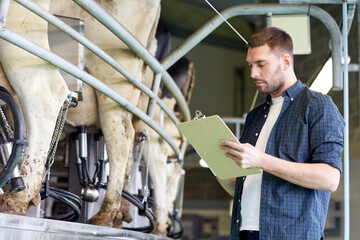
205	136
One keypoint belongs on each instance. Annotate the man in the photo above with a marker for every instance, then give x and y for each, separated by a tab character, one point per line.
295	138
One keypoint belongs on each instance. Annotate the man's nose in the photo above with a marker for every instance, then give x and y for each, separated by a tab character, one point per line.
255	73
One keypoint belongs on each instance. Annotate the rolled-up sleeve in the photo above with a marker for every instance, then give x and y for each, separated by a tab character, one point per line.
326	131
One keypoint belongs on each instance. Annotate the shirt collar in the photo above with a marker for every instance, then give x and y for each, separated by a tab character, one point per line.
292	92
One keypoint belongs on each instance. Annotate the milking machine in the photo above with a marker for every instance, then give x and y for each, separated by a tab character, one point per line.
93	175
90	186
143	200
11	143
67	198
175	230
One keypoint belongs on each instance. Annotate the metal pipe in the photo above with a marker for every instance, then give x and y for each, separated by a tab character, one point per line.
96	50
336	43
263	9
358	56
350	15
354	67
177	95
155	90
237	121
233	120
43	53
346	132
120	31
4	7
83	143
115	27
318	1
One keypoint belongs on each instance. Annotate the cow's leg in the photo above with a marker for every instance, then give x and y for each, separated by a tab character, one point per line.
124	213
119	134
41	91
157	170
139	18
174	173
165	177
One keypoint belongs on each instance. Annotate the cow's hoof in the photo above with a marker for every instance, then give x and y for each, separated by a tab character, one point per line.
127	217
102	219
160	232
117	223
11	204
120	217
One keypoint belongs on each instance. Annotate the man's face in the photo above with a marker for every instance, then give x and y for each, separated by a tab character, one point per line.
266	70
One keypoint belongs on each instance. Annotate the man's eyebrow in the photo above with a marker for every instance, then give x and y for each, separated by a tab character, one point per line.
260	61
256	62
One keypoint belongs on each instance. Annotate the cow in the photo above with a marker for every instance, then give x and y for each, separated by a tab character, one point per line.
166	175
41	91
116	122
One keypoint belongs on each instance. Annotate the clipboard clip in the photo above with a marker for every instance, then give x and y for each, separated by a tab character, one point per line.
199	115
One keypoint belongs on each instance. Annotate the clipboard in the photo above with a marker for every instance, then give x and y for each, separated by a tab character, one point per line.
205	136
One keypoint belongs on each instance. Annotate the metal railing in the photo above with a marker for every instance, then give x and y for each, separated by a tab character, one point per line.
159	69
113	25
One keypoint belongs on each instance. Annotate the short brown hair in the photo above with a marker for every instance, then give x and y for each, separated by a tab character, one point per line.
275	38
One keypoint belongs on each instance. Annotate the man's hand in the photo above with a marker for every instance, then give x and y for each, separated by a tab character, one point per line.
244	155
309	175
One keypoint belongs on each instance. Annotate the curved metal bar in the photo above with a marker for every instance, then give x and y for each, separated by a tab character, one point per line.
262	9
118	29
4	6
156	87
182	104
96	50
43	53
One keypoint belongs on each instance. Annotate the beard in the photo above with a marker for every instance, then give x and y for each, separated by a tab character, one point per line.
275	83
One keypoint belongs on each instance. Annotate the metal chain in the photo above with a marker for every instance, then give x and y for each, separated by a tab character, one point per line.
146	187
57	128
140	155
142	139
57	133
7	126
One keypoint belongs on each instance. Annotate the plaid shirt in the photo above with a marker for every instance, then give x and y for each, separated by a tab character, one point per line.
309	129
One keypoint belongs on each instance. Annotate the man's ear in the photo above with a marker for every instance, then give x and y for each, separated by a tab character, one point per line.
286	61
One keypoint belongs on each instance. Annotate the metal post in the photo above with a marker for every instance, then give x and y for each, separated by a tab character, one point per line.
346	118
4	7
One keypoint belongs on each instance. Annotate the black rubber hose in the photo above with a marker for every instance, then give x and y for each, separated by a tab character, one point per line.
71	200
18	140
75	198
150	215
175	220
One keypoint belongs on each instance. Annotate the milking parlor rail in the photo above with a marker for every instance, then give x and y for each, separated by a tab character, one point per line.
159	68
